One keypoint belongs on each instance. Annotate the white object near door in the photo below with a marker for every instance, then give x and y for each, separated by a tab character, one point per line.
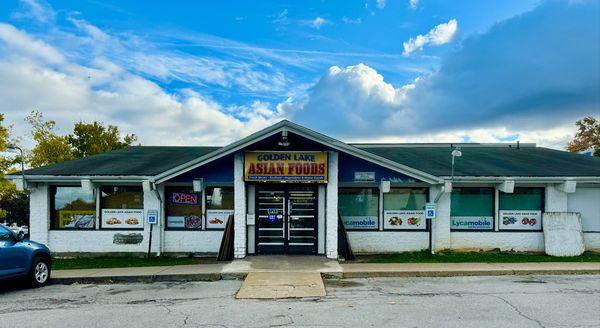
563	235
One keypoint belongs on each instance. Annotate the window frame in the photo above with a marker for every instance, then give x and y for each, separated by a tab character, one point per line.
379	206
494	210
167	189
542	210
206	209
427	221
100	225
52	198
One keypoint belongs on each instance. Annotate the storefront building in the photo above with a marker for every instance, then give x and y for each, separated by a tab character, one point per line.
285	187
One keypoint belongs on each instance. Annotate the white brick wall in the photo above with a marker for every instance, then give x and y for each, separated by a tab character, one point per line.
207	241
39	214
362	242
239	195
506	241
441	223
556	200
331	213
592	241
387	241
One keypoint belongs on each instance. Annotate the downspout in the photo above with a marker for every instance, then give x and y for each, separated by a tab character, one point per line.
160	220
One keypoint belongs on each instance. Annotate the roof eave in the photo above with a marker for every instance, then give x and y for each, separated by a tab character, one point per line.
304	132
75	178
522	179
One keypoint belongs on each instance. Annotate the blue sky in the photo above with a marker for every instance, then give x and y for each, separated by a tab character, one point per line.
191	72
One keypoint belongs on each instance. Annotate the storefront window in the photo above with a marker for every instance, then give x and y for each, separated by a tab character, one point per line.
404	208
122	207
219	206
472	209
522	209
183	208
359	208
72	208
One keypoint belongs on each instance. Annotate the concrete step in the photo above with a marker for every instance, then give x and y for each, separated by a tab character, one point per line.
272	285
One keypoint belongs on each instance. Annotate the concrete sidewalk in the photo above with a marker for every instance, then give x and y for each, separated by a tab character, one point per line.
327	268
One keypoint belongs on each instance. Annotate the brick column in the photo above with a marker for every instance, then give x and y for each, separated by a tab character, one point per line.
441	223
39	213
239	195
556	199
331	213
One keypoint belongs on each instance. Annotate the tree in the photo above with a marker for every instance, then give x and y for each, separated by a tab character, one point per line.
587	136
50	147
93	138
13	203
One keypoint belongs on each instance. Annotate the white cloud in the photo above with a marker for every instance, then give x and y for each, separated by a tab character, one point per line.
413	4
381	4
37	10
18	42
356	104
318	22
349	20
441	34
102	90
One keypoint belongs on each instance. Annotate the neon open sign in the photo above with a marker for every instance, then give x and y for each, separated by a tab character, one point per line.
184	198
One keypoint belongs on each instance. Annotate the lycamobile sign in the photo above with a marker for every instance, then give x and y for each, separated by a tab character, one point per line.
472	222
360	222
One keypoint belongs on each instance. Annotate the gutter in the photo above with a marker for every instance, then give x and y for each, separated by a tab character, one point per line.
77	178
559	179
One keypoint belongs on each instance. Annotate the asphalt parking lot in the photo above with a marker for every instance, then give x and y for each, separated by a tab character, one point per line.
492	301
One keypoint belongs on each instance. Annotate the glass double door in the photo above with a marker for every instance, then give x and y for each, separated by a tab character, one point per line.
287	220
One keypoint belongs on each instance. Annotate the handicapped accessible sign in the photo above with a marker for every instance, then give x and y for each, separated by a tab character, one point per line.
430	210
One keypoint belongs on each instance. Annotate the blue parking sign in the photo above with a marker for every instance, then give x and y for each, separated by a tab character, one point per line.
430	210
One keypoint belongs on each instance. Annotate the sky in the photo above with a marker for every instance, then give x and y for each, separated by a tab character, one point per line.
209	73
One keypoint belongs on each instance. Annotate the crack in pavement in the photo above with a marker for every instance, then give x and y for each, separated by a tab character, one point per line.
517	310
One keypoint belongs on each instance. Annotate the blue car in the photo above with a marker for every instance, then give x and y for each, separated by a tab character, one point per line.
23	259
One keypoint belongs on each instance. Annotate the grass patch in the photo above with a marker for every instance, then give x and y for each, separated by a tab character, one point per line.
481	257
123	262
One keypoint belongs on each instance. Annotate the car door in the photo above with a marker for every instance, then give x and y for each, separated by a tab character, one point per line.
13	256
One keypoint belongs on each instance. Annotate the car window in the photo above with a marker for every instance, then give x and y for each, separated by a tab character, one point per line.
5	234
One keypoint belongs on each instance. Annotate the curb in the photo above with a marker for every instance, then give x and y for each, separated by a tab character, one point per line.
326	275
149	278
406	274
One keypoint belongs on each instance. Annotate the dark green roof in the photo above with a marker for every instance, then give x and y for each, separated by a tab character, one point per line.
137	160
476	160
489	160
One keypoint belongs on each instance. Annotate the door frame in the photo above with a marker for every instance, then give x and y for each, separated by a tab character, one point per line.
286	187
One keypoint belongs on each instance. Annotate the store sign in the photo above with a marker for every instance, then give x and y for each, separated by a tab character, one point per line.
360	222
364	176
122	218
472	222
77	219
188	222
217	219
285	166
520	220
404	219
184	198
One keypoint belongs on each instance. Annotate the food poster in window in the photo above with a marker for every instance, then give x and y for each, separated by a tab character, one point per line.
77	219
216	219
520	220
472	222
404	219
122	218
187	204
